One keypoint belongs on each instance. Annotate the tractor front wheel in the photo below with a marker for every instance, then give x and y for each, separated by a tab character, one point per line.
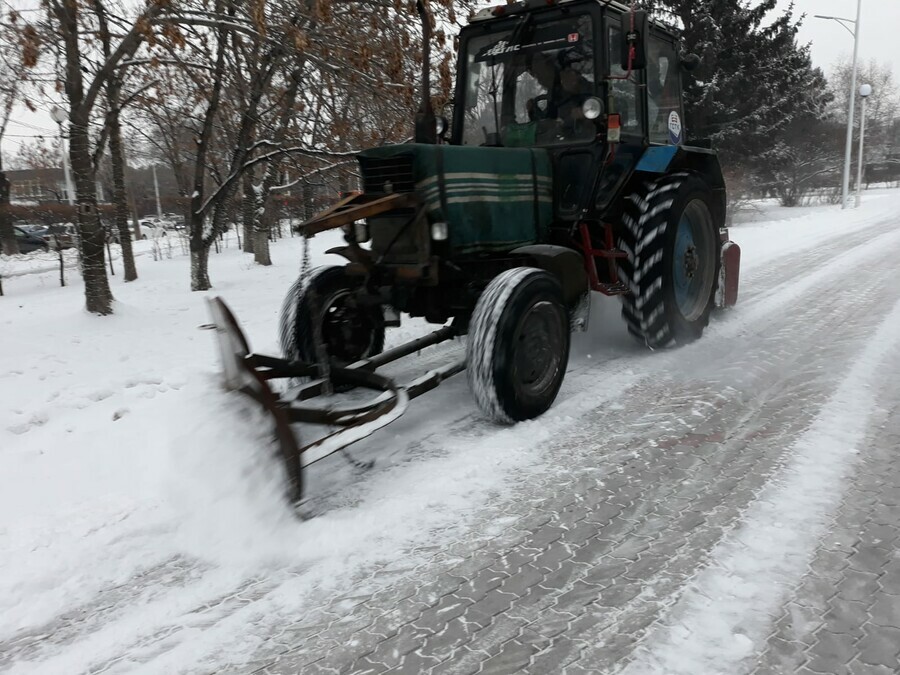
672	268
326	301
518	345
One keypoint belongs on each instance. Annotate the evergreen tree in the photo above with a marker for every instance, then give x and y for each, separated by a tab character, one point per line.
754	80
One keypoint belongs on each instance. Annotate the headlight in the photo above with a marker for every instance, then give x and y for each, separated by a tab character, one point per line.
439	230
592	108
361	231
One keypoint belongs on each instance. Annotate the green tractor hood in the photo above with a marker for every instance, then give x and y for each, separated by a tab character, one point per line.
493	199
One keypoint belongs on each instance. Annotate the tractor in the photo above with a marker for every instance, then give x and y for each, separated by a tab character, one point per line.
563	171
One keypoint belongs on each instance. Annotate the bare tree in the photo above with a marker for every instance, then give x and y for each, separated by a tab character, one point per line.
113	129
249	90
18	51
36	154
883	106
86	76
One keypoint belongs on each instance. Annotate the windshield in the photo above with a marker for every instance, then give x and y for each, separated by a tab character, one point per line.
527	85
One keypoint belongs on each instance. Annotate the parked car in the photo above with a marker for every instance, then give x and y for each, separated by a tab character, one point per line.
37	230
62	235
28	242
151	230
176	220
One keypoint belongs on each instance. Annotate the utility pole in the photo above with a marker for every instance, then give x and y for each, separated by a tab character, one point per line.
848	153
156	187
864	92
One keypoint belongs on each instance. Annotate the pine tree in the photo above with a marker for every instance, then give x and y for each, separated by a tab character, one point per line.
754	79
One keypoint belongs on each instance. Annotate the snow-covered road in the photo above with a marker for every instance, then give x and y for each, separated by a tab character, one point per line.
657	519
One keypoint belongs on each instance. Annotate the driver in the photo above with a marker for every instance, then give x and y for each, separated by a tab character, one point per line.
566	88
574	90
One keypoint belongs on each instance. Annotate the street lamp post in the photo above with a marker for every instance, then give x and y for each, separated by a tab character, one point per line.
864	92
848	153
59	116
156	189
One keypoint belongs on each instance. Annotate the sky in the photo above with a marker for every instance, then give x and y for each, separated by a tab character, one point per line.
879	38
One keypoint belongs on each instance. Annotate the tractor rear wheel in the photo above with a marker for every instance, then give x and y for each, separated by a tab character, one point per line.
672	268
518	345
349	330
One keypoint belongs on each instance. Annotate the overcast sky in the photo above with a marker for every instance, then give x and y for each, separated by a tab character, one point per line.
880	35
880	41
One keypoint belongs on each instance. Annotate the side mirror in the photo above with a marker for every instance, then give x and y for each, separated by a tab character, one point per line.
442	127
636	37
689	62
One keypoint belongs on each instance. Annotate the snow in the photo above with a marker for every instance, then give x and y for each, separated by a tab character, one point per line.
730	605
124	461
775	232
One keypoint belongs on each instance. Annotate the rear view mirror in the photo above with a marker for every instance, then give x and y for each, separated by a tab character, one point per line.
635	36
689	62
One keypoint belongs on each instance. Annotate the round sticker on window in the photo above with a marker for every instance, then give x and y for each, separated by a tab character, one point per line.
674	128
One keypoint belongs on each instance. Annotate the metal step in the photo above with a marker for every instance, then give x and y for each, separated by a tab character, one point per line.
609	253
618	288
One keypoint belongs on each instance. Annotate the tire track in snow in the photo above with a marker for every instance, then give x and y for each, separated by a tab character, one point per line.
685	511
725	613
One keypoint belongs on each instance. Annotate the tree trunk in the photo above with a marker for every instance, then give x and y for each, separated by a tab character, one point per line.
308	210
248	206
120	198
262	224
261	245
200	267
98	296
265	215
8	244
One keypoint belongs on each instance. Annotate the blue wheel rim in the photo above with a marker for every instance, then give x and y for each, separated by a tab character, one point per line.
693	261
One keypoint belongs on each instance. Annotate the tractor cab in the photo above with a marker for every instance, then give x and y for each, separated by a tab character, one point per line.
574	78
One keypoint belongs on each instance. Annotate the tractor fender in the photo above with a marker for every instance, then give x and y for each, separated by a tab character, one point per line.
666	159
567	266
703	162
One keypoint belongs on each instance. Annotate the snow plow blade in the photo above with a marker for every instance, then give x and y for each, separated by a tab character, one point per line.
249	373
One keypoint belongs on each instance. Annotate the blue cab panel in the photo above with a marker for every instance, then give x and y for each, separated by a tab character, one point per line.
657	158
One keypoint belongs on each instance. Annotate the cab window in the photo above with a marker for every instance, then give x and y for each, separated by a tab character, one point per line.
624	95
527	85
664	111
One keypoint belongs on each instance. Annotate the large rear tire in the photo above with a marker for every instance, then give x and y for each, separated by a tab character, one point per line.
518	345
672	268
350	331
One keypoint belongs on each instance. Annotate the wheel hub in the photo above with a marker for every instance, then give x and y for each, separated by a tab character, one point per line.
691	263
346	330
537	347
